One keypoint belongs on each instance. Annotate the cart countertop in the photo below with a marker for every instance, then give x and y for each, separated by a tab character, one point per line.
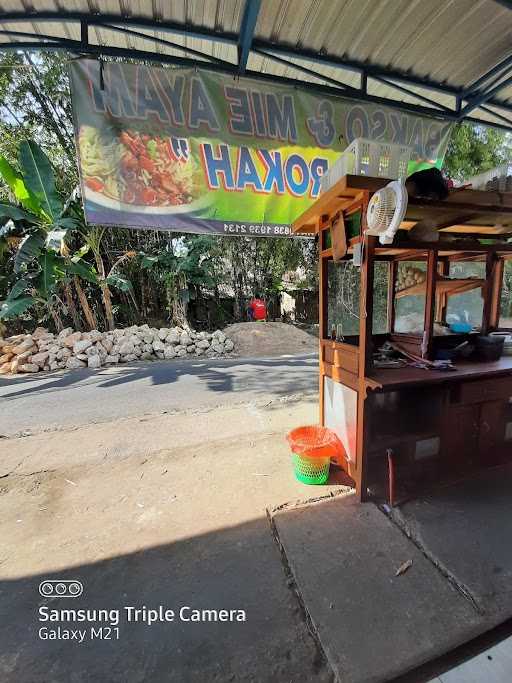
391	379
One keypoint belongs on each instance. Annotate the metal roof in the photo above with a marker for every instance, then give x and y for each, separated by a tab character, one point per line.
445	58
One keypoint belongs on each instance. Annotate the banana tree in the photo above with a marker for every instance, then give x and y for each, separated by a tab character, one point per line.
40	221
93	238
183	271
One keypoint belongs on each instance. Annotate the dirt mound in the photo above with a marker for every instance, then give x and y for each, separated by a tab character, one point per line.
270	339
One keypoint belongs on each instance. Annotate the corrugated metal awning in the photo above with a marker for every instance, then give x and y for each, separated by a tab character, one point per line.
450	59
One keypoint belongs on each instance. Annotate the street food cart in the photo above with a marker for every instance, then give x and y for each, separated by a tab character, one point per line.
404	422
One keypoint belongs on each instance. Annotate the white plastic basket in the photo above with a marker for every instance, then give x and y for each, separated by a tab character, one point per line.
367	157
499	175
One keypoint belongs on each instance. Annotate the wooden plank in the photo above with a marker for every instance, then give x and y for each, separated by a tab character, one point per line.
338	238
465	256
409	376
341	346
447	287
341	376
445	247
497	291
418	249
487	209
365	352
478	229
412	254
488	290
442	298
341	355
430	303
366	305
346	361
336	198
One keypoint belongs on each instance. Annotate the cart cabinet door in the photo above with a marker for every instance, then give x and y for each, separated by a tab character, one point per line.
493	422
461	428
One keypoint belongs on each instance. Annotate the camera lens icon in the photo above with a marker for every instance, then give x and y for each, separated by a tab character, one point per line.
75	589
61	588
46	588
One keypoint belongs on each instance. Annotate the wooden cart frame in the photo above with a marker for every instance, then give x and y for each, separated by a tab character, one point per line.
468	217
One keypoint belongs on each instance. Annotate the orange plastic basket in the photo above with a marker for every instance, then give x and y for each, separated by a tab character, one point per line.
315	441
313	447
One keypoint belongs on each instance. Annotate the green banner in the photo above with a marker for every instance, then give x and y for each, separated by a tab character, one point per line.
197	151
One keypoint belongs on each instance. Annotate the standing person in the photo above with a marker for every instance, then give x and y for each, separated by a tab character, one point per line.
257	309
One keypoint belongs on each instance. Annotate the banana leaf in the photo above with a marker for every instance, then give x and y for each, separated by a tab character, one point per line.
29	249
149	261
83	270
39	179
18	289
67	223
22	193
52	271
14	307
16	214
119	282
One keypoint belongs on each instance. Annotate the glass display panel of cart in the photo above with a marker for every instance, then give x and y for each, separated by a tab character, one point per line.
343	298
469	306
380	297
410	308
343	287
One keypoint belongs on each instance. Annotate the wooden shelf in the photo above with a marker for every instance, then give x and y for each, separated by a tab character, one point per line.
444	285
468	212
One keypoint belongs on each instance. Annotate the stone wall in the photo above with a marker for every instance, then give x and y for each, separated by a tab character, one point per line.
45	351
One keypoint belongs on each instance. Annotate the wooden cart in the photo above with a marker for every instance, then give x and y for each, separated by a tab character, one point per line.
409	426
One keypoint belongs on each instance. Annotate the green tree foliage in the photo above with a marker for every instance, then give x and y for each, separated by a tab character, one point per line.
104	277
35	103
474	149
39	221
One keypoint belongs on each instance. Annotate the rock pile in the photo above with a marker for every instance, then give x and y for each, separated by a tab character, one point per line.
42	350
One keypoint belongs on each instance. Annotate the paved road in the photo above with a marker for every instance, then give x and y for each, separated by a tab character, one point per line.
84	396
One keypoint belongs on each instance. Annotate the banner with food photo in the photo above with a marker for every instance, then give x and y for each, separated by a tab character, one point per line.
198	151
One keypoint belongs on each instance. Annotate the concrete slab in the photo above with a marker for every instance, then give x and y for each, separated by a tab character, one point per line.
467	529
372	624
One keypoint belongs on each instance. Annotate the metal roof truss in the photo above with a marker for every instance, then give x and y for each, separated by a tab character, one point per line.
483	94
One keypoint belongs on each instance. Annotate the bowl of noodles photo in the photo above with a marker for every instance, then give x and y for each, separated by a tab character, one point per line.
140	173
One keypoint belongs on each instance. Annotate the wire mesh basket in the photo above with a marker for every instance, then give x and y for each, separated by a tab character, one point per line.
313	447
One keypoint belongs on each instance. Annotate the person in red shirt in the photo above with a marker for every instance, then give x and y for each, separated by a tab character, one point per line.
257	309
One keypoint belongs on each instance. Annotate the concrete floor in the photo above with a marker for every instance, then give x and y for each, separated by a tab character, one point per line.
163	510
374	625
467	529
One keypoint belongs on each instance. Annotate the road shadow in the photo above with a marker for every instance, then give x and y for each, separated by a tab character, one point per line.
218	375
237	568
